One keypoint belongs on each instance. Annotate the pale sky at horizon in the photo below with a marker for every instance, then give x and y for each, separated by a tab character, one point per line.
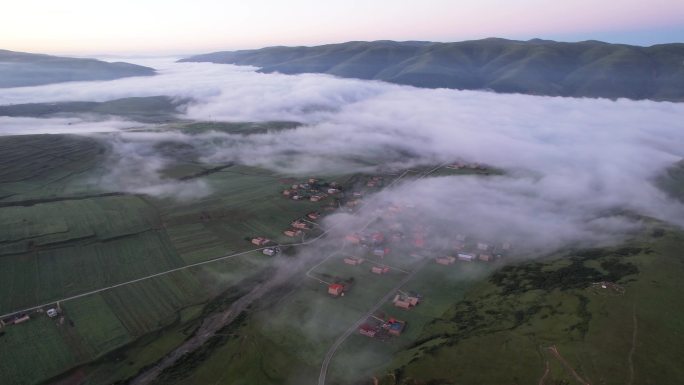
182	27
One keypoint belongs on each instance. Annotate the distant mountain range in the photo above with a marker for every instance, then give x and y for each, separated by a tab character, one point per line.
19	69
538	67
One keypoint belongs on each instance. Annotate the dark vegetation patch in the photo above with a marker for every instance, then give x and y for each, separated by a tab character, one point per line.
520	297
192	360
238	128
516	279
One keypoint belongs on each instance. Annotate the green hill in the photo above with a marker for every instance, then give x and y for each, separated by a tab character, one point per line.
19	69
149	109
538	67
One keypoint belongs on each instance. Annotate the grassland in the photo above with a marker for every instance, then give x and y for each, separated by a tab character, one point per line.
478	323
61	235
513	319
150	109
245	128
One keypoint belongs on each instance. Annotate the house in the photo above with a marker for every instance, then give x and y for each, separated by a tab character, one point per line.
333	191
292	232
300	225
458	245
296	197
368	330
21	319
381	251
506	246
394	208
260	241
353	238
378	238
465	257
336	289
353	203
354	261
419	241
288	192
401	303
313	180
482	246
397	236
270	251
413	299
317	197
448	260
380	270
406	301
313	215
394	326
295	186
52	312
485	257
357	194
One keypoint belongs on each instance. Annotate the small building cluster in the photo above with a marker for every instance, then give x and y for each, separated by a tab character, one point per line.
375	181
271	251
260	241
382	329
21	318
406	300
448	260
313	190
299	225
354	261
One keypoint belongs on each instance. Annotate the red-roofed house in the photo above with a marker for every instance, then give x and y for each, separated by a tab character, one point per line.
336	289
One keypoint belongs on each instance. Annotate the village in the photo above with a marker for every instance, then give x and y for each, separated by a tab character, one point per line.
396	231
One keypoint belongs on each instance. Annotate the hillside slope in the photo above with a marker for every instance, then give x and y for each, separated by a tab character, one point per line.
538	67
19	69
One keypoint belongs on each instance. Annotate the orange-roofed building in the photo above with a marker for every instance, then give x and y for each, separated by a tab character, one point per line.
336	289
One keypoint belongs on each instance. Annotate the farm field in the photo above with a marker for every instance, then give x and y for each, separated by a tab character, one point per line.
60	238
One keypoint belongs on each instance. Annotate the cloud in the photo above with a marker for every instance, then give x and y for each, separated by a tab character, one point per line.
571	164
137	167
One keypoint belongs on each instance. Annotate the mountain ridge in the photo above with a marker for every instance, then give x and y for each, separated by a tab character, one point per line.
22	69
538	67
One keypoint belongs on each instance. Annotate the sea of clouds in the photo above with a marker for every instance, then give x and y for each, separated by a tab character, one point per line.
574	167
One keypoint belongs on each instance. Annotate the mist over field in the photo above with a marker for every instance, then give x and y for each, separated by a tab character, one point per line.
573	167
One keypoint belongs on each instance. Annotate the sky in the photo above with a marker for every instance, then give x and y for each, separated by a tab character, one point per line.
152	27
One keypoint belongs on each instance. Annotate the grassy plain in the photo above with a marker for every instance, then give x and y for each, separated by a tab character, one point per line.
61	235
513	319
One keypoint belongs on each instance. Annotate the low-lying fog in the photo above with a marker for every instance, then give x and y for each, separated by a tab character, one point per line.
572	165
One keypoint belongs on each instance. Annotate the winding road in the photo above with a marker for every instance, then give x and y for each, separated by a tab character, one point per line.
340	340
